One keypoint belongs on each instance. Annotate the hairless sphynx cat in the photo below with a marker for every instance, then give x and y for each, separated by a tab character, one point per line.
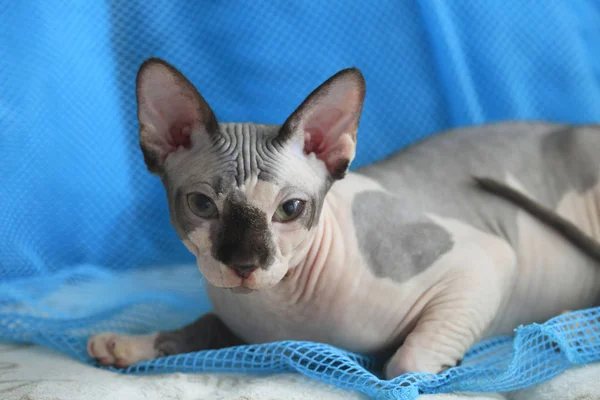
407	257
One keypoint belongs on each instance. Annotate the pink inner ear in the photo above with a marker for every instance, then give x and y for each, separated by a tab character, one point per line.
320	133
329	135
171	109
179	135
174	119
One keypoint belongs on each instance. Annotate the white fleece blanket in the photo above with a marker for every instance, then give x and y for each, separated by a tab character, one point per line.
35	373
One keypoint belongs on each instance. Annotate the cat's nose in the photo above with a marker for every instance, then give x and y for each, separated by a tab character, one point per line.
243	271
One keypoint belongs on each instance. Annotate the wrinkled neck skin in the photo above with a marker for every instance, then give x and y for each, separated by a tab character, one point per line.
331	296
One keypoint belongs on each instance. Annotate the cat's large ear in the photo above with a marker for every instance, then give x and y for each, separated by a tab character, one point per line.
169	110
326	122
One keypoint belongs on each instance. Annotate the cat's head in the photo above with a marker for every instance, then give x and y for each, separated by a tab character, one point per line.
246	198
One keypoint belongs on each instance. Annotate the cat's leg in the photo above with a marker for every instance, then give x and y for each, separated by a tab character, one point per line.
206	333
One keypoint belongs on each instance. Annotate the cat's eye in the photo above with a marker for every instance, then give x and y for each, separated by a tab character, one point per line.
288	210
202	205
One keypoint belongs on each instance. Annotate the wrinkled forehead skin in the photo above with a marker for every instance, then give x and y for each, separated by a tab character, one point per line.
247	173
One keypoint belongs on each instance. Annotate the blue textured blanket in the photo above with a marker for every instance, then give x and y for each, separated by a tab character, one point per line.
77	206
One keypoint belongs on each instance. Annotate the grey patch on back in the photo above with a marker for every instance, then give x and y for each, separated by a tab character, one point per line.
435	174
571	156
394	244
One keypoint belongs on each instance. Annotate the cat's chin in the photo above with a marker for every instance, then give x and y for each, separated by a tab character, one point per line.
241	290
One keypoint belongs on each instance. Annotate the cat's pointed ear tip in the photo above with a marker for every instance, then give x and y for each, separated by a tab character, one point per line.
169	107
352	73
350	79
153	65
153	62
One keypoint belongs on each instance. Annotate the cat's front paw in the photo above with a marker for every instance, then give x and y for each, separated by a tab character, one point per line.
418	360
121	351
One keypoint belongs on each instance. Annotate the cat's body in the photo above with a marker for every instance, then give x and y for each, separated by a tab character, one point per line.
379	217
405	257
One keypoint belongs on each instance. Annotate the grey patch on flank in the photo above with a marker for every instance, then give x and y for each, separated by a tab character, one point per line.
396	246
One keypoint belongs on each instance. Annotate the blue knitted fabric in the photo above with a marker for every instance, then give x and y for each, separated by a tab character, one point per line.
82	223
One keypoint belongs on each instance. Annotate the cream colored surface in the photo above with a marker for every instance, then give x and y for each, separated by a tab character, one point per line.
35	373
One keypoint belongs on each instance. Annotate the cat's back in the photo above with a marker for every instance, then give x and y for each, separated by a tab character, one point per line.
557	165
547	160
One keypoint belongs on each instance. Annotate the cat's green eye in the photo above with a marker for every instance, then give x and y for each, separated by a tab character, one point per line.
288	210
202	205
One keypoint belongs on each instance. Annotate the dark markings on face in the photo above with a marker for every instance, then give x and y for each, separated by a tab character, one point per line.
396	245
310	219
182	218
223	184
223	162
242	237
267	176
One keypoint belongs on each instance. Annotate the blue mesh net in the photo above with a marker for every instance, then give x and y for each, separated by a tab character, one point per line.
82	223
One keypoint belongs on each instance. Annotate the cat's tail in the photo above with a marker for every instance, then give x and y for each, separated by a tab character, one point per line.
566	228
